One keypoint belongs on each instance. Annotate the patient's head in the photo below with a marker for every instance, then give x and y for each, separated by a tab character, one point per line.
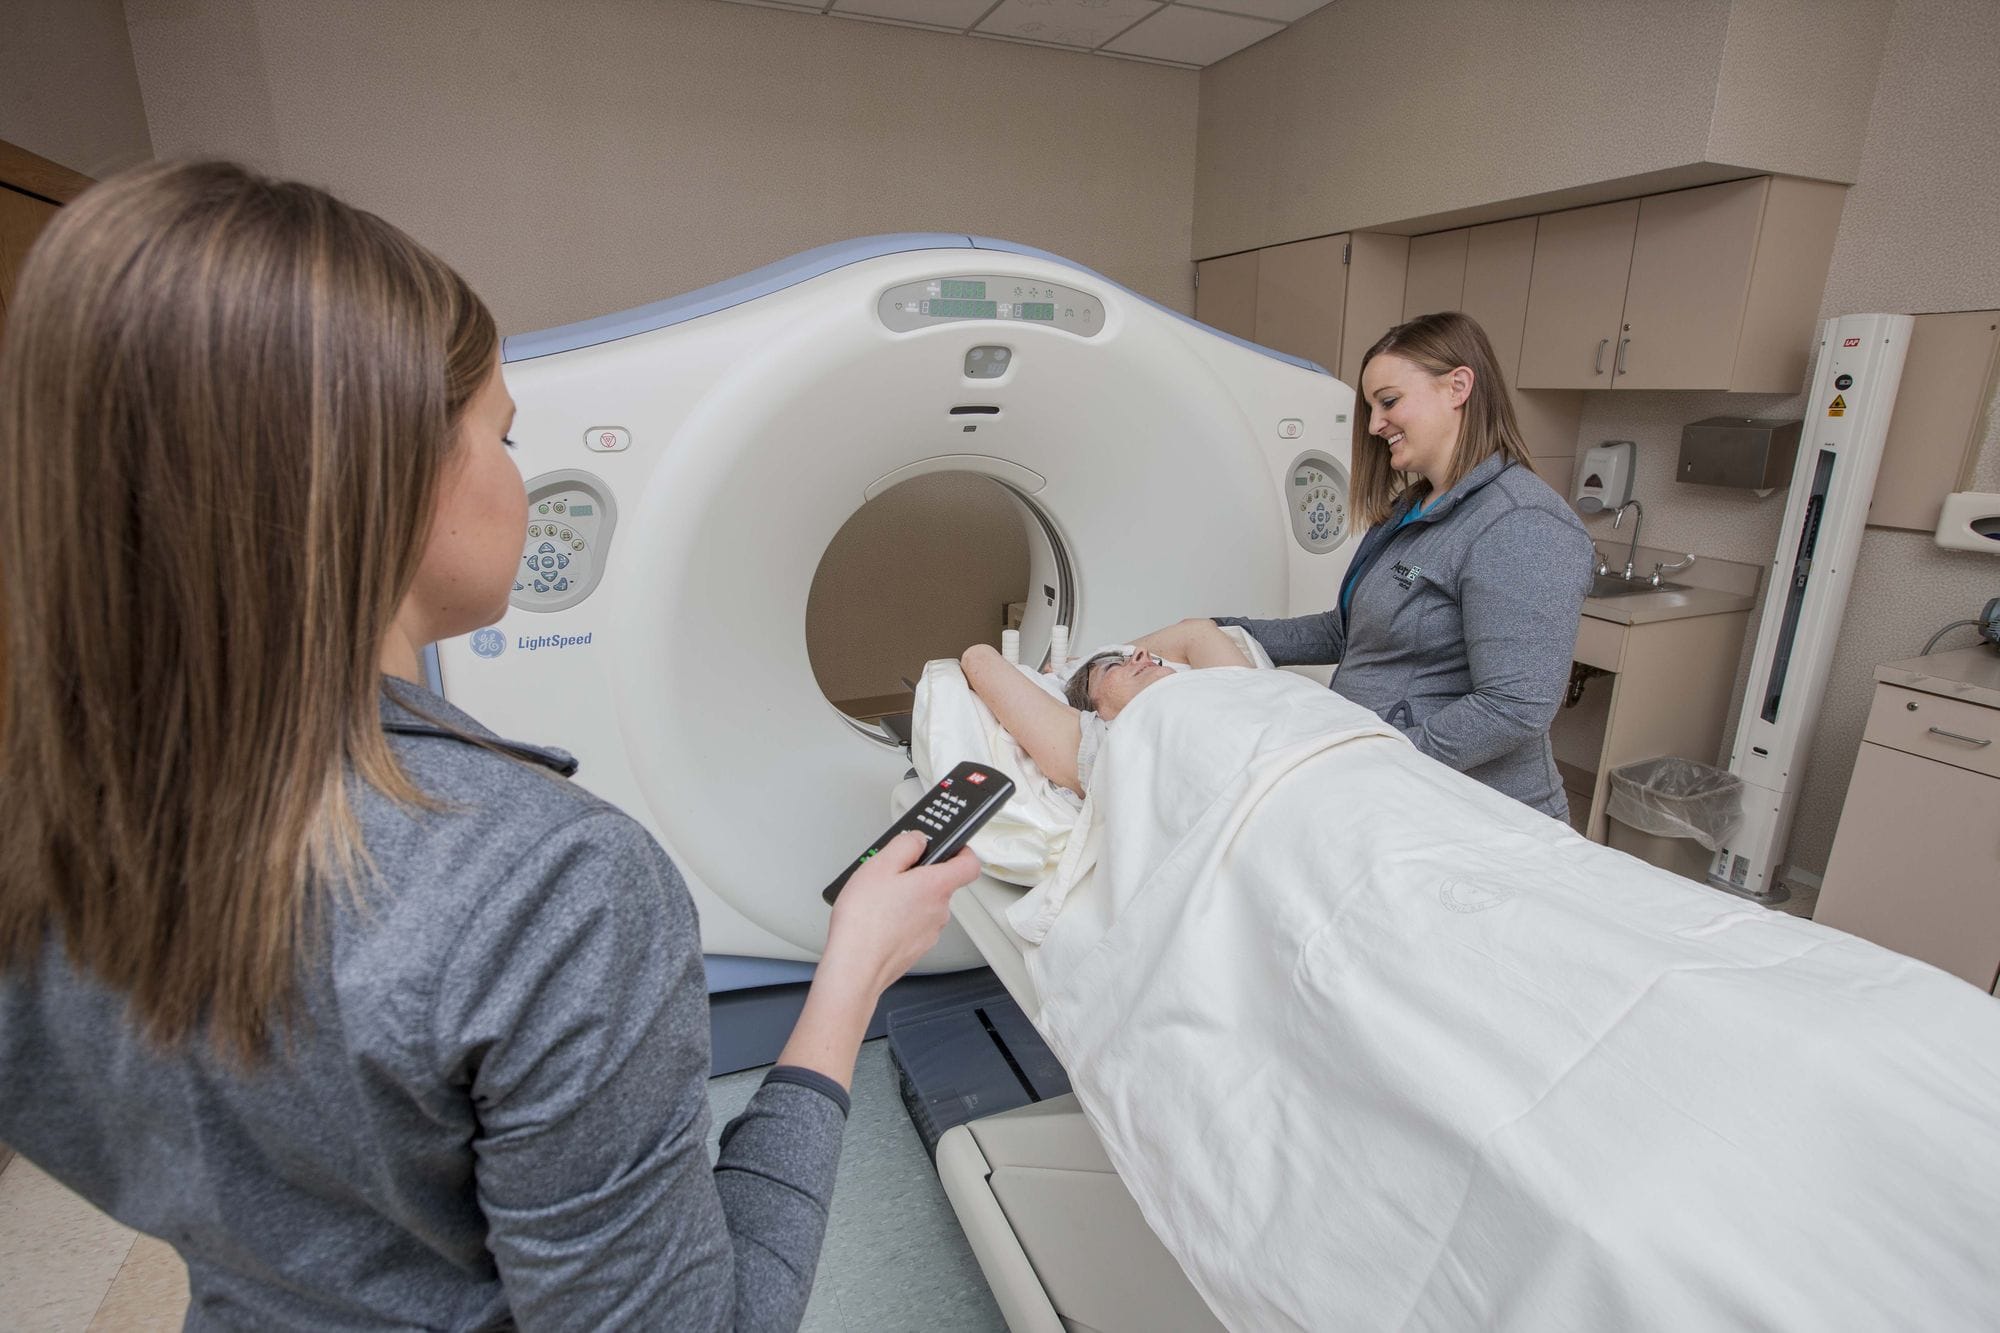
1108	681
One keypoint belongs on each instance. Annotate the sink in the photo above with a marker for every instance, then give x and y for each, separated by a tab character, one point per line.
1610	585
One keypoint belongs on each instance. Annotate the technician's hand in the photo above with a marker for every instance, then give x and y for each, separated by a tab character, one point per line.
893	910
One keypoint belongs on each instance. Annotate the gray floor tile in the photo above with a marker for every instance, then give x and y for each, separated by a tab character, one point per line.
894	1257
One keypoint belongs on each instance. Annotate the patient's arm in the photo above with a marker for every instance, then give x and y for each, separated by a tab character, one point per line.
1045	727
1199	643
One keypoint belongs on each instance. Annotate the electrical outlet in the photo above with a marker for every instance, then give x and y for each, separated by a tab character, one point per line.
1989	622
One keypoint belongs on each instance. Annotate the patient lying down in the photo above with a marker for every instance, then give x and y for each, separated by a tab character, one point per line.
1063	738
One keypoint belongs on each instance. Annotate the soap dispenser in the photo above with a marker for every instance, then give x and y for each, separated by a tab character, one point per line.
1605	481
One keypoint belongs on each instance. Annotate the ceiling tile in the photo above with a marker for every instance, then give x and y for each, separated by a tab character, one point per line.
1283	11
808	6
960	14
1193	36
1085	23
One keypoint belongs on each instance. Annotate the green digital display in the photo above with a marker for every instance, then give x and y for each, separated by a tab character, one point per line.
962	290
581	511
1036	310
963	309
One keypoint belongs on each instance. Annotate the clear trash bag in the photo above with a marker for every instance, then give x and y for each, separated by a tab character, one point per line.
1672	797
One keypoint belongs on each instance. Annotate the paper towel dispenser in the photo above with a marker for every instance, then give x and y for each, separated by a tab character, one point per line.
1751	453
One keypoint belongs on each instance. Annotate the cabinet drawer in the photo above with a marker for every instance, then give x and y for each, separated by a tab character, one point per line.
1947	730
1599	643
1916	863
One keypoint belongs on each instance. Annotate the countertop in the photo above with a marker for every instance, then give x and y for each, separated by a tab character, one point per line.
1971	674
1713	587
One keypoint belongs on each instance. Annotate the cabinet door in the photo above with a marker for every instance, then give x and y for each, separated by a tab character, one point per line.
1376	277
1225	293
1576	296
22	218
1499	261
1916	863
1939	421
1436	280
1302	298
1684	301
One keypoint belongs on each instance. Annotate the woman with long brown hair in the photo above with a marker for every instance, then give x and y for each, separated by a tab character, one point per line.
369	1012
1458	615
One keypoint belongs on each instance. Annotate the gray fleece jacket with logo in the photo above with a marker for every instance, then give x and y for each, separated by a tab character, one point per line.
1461	627
494	1111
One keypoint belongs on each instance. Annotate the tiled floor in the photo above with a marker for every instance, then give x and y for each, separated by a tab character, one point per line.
894	1257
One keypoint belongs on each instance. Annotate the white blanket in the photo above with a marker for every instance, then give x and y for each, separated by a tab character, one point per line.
1375	1047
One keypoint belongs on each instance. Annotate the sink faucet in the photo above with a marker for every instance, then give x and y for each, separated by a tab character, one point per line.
1638	513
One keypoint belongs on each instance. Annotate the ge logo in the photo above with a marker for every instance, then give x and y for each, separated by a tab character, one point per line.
608	440
489	642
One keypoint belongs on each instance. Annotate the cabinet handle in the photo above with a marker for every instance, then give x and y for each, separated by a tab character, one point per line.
1597	364
1619	366
1980	741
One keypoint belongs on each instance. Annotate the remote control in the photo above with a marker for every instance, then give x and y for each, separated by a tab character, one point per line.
948	814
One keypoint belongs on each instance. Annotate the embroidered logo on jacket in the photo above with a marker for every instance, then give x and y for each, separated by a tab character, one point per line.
1406	575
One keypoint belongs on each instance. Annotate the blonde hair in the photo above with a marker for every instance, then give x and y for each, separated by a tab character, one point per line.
225	403
1437	344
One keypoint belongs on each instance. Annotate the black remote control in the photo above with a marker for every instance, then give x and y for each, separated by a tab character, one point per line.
949	814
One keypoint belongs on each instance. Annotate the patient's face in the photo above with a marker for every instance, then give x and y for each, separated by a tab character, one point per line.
1114	685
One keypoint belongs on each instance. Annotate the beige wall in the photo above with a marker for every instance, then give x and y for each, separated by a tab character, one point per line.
579	158
1370	113
68	90
1920	231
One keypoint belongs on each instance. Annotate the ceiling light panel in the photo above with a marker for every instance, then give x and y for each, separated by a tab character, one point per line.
1085	23
1191	36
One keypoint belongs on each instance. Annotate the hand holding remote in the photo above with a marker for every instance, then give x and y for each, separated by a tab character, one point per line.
892	910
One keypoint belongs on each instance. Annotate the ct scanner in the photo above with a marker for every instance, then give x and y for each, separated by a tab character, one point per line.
689	461
687	465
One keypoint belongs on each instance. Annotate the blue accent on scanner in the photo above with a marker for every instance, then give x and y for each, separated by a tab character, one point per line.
776	277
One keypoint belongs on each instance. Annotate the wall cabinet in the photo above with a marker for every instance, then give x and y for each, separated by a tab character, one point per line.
1326	299
1916	861
1709	288
1485	272
1225	293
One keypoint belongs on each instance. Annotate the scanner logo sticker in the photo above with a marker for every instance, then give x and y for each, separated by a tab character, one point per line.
489	642
1406	575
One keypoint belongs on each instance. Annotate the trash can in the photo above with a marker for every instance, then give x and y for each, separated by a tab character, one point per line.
1673	813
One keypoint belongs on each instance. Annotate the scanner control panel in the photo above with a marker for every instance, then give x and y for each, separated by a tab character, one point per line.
1316	501
570	517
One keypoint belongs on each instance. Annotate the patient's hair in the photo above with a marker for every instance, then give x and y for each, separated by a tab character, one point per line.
225	404
1439	344
1077	692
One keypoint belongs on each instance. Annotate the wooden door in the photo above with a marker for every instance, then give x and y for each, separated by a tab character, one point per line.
1302	298
1225	293
1436	279
1576	296
1684	301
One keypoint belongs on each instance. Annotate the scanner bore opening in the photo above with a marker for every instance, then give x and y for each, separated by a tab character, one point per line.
925	570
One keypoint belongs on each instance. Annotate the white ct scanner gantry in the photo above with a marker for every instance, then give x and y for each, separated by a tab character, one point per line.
688	463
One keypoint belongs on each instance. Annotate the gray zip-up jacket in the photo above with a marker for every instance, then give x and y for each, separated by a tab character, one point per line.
1461	627
494	1112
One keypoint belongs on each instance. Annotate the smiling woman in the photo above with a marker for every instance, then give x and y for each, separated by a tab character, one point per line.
1459	612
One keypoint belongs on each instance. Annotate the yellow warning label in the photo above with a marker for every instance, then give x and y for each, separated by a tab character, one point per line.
1838	407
